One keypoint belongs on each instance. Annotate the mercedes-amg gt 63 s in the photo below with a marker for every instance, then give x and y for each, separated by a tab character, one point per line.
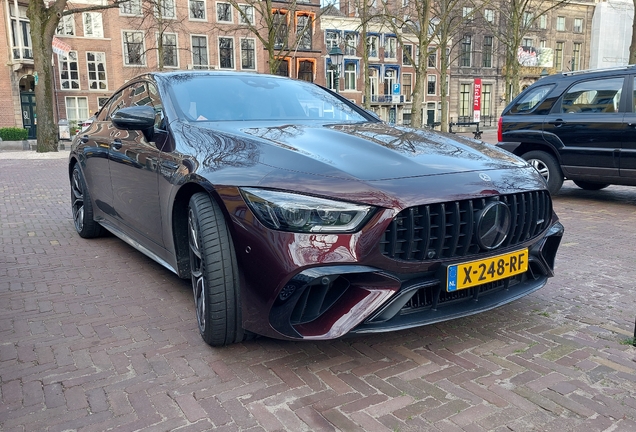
298	215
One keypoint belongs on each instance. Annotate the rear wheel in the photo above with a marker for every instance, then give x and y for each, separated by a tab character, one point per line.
214	273
590	185
548	167
82	207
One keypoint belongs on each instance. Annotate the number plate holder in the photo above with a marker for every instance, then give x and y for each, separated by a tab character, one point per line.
472	273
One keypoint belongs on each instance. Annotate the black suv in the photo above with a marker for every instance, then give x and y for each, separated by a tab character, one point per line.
578	125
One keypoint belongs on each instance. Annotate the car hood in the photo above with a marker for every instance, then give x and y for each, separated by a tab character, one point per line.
364	151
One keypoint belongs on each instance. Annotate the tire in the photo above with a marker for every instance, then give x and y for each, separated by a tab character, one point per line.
591	186
82	207
214	273
548	167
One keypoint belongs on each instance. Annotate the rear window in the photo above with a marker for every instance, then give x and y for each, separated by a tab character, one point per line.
531	99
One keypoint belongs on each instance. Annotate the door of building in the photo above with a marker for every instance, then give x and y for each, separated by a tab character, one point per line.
29	120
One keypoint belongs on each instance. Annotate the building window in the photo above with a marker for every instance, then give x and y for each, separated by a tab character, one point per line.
246	14
331	39
200	52
93	24
96	64
467	12
248	57
131	7
576	56
489	15
350	76
558	56
464	100
390	78
465	56
432	85
351	44
560	23
331	77
134	48
390	48
280	28
224	12
373	81
528	17
226	53
486	100
303	31
407	86
543	22
101	101
170	52
69	74
21	34
527	42
486	55
372	45
66	26
165	9
407	55
76	109
306	70
283	68
578	25
432	58
197	9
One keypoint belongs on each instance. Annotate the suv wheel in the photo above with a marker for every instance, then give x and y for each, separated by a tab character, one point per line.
590	185
547	167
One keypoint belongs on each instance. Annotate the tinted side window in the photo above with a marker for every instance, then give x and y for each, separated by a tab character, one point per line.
594	96
531	99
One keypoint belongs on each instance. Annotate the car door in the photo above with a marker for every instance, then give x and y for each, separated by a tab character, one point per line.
587	127
628	150
133	173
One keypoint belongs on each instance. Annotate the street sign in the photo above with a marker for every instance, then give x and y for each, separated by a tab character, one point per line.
396	89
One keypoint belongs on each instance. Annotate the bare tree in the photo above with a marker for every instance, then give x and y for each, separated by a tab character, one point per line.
517	18
44	19
632	46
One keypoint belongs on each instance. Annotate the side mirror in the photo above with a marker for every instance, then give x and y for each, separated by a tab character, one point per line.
134	118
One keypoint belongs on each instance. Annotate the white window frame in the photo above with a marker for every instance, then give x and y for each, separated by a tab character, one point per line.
96	28
390	48
331	42
205	11
207	50
166	5
428	81
125	54
407	97
560	20
88	72
99	104
373	40
489	15
254	52
218	46
467	12
66	59
350	44
66	22
231	20
176	40
77	117
405	59
245	8
133	5
348	79
577	28
543	22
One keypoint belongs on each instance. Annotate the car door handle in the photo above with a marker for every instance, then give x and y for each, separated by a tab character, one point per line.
116	144
84	139
558	122
170	165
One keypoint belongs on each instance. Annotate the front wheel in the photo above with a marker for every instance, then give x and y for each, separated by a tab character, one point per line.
214	273
591	186
81	207
548	167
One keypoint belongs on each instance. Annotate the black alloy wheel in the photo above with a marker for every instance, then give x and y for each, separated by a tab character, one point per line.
548	167
214	273
81	207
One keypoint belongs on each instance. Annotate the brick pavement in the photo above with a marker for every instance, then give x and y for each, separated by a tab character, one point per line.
95	336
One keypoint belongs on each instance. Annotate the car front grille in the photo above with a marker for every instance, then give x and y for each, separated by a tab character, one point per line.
446	230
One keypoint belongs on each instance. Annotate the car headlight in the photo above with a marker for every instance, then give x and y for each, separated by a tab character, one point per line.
301	213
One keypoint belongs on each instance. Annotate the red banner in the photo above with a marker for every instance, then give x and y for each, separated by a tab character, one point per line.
60	47
477	100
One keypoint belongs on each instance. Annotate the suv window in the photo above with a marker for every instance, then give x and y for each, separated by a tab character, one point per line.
529	101
594	96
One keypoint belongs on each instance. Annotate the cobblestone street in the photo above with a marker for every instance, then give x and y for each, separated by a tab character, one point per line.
94	336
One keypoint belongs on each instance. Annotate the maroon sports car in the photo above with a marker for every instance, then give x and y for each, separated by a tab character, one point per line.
299	215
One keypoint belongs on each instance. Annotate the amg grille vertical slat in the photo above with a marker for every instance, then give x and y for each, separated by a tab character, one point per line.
447	230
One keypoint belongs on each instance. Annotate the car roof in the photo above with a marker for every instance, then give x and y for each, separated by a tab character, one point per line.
588	73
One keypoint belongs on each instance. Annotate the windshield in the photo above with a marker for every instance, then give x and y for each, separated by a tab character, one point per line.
205	98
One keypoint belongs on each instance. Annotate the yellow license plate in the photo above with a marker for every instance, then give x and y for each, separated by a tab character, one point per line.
473	273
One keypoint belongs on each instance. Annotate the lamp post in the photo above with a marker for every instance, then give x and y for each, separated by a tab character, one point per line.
336	56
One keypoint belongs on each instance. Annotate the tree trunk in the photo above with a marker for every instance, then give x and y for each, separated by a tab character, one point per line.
632	47
43	23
